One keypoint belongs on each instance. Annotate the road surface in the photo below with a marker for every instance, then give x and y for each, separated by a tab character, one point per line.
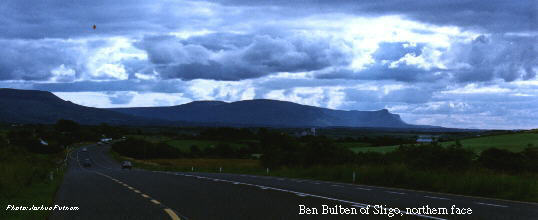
105	191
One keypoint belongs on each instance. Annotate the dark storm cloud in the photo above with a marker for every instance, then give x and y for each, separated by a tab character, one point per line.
58	60
30	60
262	49
412	95
486	58
491	15
279	83
482	59
59	19
383	69
72	19
264	55
163	86
220	41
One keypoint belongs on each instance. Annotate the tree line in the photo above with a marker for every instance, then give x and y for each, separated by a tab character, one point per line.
278	149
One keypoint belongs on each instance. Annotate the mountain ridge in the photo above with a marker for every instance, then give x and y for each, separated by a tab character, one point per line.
267	112
34	106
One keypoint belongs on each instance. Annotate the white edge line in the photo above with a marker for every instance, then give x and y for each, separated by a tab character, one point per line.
401	193
434	197
362	188
356	204
481	203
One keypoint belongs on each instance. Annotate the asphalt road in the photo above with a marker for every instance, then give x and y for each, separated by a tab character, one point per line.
105	191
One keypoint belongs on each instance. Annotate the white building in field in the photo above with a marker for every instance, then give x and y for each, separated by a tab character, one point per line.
43	142
311	131
425	139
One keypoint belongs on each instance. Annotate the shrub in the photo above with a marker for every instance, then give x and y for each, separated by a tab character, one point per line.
531	158
66	126
141	149
502	160
434	157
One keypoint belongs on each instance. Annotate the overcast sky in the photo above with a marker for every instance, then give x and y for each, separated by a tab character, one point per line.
457	63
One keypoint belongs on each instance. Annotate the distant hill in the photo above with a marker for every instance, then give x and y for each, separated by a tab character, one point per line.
264	112
32	106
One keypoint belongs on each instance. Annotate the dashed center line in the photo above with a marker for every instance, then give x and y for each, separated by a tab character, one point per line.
169	211
172	214
155	201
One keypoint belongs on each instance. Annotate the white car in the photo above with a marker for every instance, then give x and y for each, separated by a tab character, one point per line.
84	149
126	165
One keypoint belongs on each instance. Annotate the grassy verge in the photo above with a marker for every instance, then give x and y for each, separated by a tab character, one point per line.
37	194
479	182
26	181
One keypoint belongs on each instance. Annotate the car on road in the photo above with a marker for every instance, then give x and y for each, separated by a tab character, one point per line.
126	165
84	149
87	162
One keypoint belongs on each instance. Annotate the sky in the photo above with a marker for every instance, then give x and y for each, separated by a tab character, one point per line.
458	63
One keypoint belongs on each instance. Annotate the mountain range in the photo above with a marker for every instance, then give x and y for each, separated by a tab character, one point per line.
33	106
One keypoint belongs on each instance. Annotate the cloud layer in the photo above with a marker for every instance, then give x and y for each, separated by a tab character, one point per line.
450	63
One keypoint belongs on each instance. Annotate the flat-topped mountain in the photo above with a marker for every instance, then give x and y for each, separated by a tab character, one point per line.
265	112
32	106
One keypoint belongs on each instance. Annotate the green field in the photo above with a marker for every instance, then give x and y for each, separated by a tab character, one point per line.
512	142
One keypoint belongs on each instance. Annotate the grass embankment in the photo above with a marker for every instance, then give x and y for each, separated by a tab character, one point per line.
25	181
513	142
476	182
199	164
